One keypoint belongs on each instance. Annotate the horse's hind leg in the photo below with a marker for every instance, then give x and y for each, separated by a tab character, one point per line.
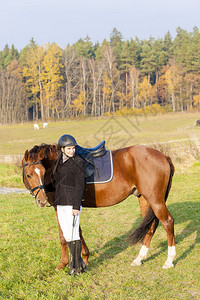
147	239
84	249
167	221
64	248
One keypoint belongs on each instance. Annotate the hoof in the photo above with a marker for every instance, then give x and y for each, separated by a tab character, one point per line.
60	267
168	266
136	263
85	259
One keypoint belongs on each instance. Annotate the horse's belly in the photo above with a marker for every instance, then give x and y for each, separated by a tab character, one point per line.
103	195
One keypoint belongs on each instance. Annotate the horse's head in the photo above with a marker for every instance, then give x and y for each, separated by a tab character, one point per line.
33	176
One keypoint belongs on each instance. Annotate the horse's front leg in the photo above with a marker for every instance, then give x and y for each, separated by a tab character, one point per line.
64	258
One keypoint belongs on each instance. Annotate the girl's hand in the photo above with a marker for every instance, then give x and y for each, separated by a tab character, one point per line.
75	212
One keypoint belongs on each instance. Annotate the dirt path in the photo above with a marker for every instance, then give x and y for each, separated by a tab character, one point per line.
7	190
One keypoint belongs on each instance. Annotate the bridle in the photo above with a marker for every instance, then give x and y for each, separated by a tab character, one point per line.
38	187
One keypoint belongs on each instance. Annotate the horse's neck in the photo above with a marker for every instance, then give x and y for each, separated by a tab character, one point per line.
49	163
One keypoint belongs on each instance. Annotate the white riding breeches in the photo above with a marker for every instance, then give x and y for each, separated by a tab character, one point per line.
68	223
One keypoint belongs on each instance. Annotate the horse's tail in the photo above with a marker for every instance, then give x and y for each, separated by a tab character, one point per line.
172	169
139	234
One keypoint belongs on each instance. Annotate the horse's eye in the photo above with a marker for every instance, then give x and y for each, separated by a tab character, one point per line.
29	176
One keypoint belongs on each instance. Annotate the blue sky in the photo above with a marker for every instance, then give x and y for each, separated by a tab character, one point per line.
65	21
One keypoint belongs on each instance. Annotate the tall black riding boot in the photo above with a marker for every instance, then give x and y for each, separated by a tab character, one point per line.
76	264
80	266
71	265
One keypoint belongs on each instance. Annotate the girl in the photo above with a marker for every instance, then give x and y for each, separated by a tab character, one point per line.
69	179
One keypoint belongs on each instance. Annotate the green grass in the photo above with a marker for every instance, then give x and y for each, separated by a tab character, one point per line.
30	250
10	176
117	131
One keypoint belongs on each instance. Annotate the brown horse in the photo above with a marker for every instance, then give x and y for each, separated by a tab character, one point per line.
139	170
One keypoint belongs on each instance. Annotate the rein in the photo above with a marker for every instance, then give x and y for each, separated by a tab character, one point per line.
38	187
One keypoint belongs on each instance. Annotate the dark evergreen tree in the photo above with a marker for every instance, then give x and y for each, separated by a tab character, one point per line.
135	52
148	59
180	46
116	43
193	53
85	48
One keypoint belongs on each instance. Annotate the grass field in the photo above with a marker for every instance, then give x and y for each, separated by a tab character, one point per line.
30	248
117	131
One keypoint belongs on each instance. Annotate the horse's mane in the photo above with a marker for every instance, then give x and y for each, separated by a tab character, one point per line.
48	149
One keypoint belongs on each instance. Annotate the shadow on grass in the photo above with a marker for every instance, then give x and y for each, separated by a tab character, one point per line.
182	212
113	247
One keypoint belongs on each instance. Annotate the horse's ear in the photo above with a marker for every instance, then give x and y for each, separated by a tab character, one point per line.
41	154
27	155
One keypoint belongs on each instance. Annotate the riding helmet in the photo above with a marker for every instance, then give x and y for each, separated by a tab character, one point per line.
66	140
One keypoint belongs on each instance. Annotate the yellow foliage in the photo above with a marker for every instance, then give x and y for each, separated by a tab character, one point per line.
78	103
172	77
196	100
43	73
148	110
122	97
107	86
52	71
145	89
34	68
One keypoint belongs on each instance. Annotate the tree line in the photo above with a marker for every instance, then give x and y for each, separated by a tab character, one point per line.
86	79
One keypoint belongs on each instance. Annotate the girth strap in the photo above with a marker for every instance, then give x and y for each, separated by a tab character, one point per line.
135	192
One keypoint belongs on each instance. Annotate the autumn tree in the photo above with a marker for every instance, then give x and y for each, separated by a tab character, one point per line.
196	101
191	83
107	91
71	62
173	76
51	77
133	84
96	68
12	105
112	73
33	73
77	104
162	89
145	90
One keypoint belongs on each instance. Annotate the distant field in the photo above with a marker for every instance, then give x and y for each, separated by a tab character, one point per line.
117	131
157	131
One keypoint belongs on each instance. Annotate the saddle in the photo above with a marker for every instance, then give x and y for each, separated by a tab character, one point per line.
97	151
89	154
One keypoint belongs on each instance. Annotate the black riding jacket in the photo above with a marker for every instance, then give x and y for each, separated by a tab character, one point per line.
69	179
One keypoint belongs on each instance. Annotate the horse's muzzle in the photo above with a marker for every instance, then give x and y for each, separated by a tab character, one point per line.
41	203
